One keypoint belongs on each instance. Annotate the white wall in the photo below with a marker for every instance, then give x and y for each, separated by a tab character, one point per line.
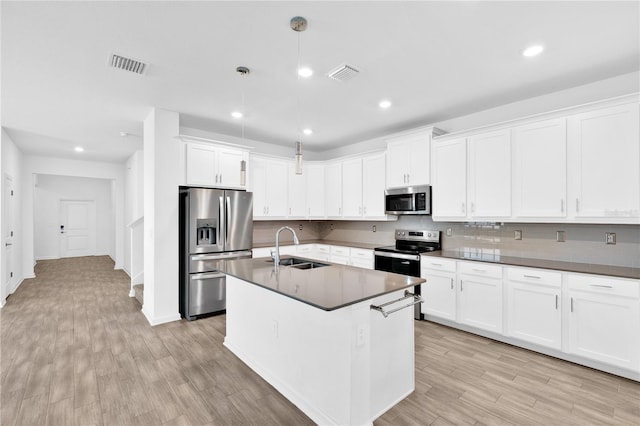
163	173
134	202
36	165
11	159
48	192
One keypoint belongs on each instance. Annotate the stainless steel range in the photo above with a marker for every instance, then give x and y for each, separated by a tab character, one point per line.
404	256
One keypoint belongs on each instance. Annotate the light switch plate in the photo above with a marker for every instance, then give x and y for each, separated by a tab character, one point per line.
610	238
517	234
449	232
560	236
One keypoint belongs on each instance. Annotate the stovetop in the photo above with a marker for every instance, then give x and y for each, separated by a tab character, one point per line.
414	242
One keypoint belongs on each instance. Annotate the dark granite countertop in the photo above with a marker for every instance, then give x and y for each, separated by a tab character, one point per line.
328	288
586	268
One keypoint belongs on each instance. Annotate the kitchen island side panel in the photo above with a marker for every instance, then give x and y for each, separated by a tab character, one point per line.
345	366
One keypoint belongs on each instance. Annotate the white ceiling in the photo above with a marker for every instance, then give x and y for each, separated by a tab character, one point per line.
433	60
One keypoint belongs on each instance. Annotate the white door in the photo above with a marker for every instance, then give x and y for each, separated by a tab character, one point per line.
419	159
297	193
450	179
7	235
439	295
77	228
373	185
352	188
397	164
315	191
229	167
333	189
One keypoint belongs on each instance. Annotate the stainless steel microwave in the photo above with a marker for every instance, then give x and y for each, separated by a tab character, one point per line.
408	200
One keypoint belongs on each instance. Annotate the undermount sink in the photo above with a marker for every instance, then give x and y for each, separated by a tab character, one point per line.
299	263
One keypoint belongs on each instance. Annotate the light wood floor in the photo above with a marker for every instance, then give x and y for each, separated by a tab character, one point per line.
77	350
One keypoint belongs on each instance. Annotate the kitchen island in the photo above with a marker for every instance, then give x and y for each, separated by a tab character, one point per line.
312	334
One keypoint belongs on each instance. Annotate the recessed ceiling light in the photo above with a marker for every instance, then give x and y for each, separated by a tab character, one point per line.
384	104
236	114
305	72
78	149
307	131
533	50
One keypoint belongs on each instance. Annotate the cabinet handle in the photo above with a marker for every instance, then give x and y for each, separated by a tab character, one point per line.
216	178
461	288
479	270
309	214
365	210
531	276
462	210
339	211
577	205
562	205
556	302
220	177
436	264
572	304
600	285
452	284
473	207
408	178
360	210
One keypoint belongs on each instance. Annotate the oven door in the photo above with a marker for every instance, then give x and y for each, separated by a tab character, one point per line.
405	264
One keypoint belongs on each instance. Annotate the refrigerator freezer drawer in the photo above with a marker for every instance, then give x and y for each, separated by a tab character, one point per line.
207	294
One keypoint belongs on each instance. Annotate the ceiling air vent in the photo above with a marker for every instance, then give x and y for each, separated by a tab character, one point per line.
127	64
343	73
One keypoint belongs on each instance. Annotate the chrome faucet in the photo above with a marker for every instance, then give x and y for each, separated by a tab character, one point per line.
276	255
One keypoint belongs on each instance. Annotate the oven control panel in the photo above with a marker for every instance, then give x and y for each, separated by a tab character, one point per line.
422	235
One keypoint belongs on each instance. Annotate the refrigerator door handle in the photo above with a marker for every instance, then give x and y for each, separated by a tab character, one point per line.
220	221
226	225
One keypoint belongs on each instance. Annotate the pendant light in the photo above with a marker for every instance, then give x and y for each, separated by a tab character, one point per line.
298	24
243	72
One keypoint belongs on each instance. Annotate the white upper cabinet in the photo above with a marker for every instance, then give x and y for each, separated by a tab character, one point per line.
449	173
489	181
352	188
604	165
540	169
297	193
315	190
212	165
373	185
333	189
408	159
269	183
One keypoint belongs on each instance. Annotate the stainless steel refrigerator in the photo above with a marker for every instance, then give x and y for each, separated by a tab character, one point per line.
215	224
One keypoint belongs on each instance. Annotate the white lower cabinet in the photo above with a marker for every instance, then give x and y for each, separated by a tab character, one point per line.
480	296
534	306
439	292
361	258
604	319
340	254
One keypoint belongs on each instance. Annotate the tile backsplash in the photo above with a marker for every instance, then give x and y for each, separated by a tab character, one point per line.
584	243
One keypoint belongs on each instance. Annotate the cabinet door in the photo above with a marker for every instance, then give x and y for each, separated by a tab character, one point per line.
258	185
201	165
534	313
419	159
449	189
490	175
540	169
397	164
229	167
605	328
297	193
604	163
333	189
480	303
277	188
352	188
439	294
315	191
373	185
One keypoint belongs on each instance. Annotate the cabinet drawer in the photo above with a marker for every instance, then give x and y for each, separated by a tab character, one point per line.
535	276
605	285
357	253
340	251
306	248
323	248
436	263
481	269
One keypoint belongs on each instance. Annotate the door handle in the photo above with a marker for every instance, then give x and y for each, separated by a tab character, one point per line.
7	244
226	219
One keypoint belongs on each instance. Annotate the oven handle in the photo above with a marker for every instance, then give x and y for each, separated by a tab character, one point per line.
397	255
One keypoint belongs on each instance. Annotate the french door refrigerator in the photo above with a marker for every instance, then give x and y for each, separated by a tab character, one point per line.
215	224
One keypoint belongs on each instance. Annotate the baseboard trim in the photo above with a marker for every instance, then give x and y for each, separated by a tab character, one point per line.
47	258
161	320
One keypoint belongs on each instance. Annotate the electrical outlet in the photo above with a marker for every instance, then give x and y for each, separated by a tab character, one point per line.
331	227
373	228
449	232
300	227
560	236
610	237
517	235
